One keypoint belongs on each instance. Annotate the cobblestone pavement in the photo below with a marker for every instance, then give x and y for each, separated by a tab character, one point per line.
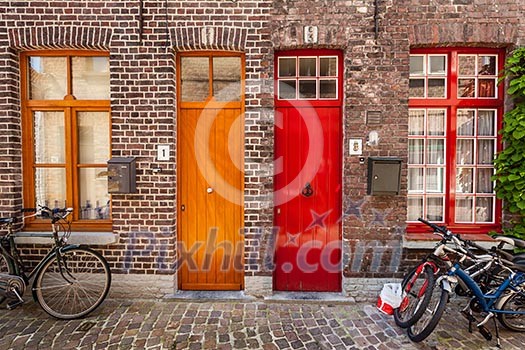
173	324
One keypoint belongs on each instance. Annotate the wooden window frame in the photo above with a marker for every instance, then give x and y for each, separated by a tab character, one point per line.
69	106
452	103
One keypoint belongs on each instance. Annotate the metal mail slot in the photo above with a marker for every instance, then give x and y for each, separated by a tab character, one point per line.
384	176
122	175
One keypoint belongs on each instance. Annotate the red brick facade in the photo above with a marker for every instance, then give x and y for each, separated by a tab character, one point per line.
143	39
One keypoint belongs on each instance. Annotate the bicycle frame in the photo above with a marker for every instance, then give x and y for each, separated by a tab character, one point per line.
487	300
19	266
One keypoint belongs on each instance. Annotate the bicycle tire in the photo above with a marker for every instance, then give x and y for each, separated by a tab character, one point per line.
423	327
74	287
417	287
5	265
514	322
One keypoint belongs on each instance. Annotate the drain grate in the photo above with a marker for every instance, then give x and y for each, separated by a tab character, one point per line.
86	326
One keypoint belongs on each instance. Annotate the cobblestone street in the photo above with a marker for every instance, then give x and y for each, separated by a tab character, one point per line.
175	324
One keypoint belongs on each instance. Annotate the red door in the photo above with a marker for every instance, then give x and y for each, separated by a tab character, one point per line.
308	170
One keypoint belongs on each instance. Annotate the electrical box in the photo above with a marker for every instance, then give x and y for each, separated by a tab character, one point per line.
384	176
122	175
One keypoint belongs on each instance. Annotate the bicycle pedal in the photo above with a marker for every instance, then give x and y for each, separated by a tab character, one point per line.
13	304
485	332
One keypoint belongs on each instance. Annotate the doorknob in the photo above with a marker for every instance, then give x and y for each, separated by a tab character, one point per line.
209	190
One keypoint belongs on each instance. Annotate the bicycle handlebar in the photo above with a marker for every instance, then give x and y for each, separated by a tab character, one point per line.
55	214
441	229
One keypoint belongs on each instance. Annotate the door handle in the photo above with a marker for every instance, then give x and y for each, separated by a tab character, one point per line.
209	190
307	191
182	207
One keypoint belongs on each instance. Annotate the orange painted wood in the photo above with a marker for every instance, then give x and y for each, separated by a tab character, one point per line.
210	193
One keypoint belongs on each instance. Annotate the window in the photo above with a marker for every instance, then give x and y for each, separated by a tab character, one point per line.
200	83
66	137
455	109
307	78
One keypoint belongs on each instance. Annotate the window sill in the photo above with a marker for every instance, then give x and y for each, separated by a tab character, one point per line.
428	240
88	238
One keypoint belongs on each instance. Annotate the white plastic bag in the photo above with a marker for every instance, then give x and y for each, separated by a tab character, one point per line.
390	298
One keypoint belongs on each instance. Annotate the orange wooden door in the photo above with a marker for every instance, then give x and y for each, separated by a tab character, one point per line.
211	179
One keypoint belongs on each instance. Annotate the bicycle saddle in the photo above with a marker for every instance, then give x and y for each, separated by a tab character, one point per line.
514	241
7	220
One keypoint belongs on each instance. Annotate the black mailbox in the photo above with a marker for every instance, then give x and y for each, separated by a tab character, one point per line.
384	175
122	175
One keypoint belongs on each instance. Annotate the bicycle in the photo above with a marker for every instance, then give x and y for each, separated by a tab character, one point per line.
69	282
506	300
421	302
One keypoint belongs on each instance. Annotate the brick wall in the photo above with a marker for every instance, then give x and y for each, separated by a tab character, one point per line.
143	41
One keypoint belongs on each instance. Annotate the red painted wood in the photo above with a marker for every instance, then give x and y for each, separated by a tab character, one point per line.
308	242
452	102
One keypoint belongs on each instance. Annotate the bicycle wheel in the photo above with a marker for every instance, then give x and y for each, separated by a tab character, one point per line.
514	322
417	288
74	284
5	266
422	328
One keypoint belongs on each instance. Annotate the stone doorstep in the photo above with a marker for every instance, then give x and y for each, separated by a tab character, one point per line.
329	297
202	295
46	238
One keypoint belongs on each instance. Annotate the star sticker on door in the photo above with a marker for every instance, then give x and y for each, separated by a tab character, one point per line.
318	219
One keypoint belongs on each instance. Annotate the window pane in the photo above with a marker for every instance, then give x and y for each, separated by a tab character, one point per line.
435	208
485	151
417	88
484	211
227	78
465	122
307	67
435	151
328	66
415	151
436	88
466	88
47	78
307	89
464	207
484	183
328	88
464	152
50	187
415	179
93	137
435	180
94	197
487	65
287	89
415	208
467	65
49	139
416	122
287	67
417	65
195	76
437	65
464	180
90	78
487	88
436	122
486	122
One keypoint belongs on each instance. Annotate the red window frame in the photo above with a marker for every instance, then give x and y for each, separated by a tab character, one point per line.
452	103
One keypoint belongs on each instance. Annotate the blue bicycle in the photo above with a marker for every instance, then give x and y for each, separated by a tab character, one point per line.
504	300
